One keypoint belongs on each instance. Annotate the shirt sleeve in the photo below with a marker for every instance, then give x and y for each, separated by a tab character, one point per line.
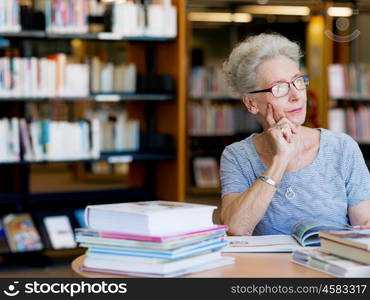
357	174
231	174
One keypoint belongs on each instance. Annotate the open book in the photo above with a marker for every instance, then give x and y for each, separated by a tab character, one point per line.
304	233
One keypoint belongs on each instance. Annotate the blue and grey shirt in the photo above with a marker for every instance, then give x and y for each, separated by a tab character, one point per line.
336	179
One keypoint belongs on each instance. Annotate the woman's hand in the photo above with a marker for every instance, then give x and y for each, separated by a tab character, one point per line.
281	133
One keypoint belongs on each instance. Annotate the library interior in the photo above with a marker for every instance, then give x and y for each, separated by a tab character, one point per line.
107	101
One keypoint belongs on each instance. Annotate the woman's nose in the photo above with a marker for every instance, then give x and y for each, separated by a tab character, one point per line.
293	94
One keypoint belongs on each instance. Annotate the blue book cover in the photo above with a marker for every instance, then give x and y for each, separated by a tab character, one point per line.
80	217
169	255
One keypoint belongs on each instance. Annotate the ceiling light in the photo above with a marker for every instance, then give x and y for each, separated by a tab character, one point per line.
276	10
340	11
219	17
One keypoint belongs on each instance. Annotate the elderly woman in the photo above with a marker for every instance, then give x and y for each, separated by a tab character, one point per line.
288	172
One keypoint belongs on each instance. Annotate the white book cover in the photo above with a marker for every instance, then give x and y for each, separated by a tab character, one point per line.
336	81
159	268
16	77
150	217
60	232
337	120
120	131
219	262
35	133
155	20
15	133
107	74
95	138
315	258
7	140
95	74
129	78
263	243
26	140
35	89
3	145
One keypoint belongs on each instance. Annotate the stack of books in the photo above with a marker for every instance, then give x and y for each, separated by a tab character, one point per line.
151	239
342	253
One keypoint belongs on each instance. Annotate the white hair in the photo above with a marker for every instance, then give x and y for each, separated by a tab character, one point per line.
240	67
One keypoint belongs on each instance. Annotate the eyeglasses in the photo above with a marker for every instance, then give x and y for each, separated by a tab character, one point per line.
282	89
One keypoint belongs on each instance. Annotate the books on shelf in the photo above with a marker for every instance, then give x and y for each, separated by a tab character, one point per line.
353	121
64	16
21	233
150	19
45	139
207	118
317	259
9	16
354	245
51	76
9	135
116	131
109	78
349	81
150	217
208	82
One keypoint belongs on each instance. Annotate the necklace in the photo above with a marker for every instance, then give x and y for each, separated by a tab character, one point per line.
289	192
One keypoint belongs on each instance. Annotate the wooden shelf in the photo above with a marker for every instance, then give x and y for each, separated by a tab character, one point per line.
100	36
353	98
110	156
216	97
100	97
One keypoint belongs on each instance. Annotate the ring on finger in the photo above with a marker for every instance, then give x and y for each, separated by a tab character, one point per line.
284	130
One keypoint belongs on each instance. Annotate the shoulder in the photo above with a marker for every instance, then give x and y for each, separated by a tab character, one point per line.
337	141
240	148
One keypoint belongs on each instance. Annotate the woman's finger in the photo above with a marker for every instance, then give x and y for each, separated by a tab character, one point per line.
287	133
278	113
269	116
287	122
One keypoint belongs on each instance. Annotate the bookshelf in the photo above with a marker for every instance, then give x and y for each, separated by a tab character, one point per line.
346	107
156	166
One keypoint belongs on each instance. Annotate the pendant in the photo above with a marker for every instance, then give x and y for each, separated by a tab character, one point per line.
289	194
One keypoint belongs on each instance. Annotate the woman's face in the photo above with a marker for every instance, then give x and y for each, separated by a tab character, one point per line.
292	105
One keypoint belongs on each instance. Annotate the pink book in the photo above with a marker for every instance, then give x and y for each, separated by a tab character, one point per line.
148	238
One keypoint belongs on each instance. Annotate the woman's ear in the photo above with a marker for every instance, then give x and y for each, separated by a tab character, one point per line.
250	104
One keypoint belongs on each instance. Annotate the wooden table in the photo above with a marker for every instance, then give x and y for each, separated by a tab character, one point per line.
246	265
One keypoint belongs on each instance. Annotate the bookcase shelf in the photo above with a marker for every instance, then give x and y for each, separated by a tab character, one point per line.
109	156
353	99
100	97
214	97
156	170
100	36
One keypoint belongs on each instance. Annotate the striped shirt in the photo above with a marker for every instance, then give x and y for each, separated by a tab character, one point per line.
323	190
